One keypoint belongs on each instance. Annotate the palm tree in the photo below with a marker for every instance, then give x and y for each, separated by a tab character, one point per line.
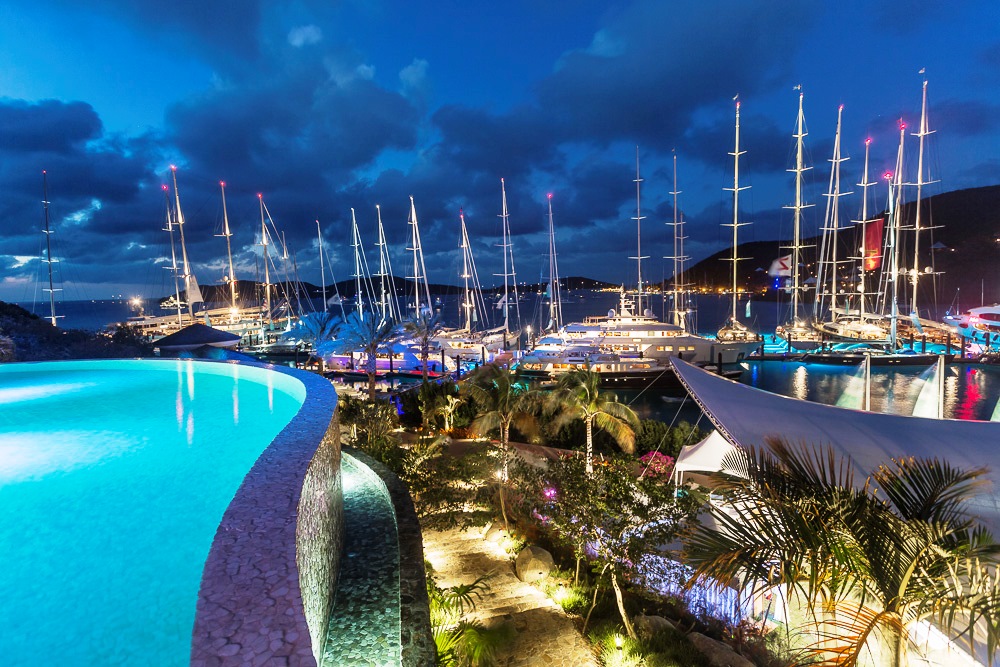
367	334
503	401
445	406
577	396
868	561
422	327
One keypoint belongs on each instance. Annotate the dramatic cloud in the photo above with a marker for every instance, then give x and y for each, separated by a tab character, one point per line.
322	107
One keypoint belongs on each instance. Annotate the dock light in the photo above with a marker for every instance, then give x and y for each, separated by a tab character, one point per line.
618	642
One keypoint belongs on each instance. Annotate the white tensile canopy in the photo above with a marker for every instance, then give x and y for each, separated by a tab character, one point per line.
745	416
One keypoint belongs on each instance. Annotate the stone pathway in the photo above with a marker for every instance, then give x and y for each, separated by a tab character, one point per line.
546	636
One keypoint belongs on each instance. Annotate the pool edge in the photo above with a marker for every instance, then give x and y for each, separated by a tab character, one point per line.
268	579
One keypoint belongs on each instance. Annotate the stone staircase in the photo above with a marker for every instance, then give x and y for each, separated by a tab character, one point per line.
545	634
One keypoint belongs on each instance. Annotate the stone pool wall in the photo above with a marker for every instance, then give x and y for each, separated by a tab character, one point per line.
416	641
265	593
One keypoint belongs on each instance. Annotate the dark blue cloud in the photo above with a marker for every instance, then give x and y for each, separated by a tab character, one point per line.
49	126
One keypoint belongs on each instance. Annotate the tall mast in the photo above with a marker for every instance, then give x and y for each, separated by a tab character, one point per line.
895	207
356	244
796	247
419	270
229	253
387	299
267	260
322	273
192	293
915	273
831	229
173	254
48	247
864	185
680	305
467	305
555	295
736	224
638	236
508	270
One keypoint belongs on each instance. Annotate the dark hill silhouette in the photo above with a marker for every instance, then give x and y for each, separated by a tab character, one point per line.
967	223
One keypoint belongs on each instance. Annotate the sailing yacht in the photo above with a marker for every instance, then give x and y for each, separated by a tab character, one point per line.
797	331
734	330
860	324
629	346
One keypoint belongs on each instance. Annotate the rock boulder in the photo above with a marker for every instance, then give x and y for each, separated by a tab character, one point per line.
716	653
533	563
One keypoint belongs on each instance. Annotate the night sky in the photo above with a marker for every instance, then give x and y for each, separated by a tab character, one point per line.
324	106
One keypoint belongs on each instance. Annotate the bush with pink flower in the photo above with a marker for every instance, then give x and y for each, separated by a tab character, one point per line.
656	464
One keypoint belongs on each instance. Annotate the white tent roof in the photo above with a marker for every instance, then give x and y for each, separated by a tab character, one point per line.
704	456
746	416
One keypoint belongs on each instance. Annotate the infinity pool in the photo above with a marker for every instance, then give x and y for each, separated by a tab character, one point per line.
114	476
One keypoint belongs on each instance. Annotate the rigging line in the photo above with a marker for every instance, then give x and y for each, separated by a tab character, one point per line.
669	428
648	386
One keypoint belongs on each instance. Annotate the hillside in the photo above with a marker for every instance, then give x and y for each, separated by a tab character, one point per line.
967	223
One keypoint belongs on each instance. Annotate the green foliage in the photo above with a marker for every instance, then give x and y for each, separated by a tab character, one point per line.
667	648
866	561
578	397
574	599
373	425
459	641
126	335
653	435
617	517
367	334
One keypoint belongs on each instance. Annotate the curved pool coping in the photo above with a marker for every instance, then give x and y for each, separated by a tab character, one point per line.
267	584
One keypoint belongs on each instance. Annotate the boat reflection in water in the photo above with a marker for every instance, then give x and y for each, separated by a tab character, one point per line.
971	391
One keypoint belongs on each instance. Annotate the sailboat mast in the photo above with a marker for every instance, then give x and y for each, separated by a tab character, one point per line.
864	184
800	168
555	295
179	220
229	254
356	244
322	273
833	211
736	224
638	236
679	309
267	261
508	269
48	247
389	310
505	247
467	305
895	207
419	270
173	254
915	273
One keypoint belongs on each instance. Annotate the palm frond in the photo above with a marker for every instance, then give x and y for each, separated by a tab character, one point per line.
929	489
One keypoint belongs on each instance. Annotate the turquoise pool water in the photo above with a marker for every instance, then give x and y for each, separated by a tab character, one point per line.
113	478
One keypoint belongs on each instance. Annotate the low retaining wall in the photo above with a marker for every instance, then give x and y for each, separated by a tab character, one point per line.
416	641
268	581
